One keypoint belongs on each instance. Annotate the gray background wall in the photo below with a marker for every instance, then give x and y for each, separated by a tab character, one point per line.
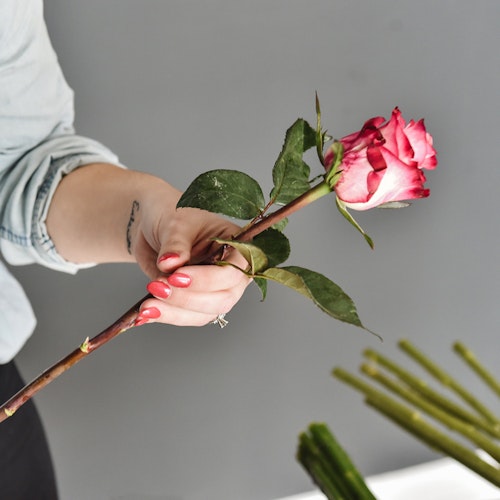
180	87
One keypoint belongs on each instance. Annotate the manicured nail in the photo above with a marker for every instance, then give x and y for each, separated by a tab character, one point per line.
159	289
150	313
140	321
168	256
146	314
179	280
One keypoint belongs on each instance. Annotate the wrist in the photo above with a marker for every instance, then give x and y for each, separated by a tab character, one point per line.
97	211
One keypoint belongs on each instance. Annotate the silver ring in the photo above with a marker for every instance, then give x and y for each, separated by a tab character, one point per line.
220	320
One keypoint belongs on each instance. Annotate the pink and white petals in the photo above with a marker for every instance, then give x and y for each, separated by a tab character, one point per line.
422	144
383	163
398	182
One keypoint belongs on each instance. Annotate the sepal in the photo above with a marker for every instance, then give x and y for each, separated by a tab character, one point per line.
343	210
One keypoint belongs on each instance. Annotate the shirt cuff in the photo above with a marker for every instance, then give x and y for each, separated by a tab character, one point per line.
55	158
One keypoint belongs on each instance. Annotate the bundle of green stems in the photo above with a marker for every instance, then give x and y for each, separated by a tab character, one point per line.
329	466
457	424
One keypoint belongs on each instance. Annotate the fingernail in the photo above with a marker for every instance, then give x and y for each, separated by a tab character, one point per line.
140	321
179	280
168	256
146	314
159	289
150	313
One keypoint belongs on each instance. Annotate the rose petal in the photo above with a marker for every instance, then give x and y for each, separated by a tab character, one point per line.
367	135
396	140
421	142
352	185
384	164
399	182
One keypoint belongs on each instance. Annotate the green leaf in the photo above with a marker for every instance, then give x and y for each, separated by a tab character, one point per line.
284	277
267	249
327	295
255	257
226	192
290	172
320	136
262	284
281	224
343	210
274	244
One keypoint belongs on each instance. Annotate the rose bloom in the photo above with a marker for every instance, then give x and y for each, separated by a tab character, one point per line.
383	162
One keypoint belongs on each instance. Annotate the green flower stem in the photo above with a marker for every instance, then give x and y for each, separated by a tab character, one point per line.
339	459
301	201
453	423
469	357
328	479
122	324
430	435
413	422
322	479
320	452
422	387
448	381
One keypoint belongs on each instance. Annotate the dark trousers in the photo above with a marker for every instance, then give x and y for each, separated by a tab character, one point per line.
26	470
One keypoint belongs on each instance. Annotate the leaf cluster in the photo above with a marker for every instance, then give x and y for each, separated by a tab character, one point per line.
235	194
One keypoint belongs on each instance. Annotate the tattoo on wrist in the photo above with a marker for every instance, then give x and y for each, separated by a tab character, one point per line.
131	220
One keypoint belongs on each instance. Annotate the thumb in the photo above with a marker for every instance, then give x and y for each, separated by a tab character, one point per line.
172	255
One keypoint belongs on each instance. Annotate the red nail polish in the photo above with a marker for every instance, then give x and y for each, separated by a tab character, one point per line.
159	289
150	313
168	256
146	314
140	321
179	280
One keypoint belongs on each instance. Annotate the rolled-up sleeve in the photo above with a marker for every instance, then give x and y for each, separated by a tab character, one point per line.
38	144
26	190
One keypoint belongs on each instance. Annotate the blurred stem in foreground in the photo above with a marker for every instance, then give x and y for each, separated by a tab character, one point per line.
470	358
329	465
480	428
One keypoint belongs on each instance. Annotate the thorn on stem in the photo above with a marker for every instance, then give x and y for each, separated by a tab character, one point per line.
85	347
9	412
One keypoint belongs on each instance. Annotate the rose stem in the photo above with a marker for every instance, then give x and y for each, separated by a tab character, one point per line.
453	423
447	380
421	387
127	320
413	422
122	324
301	201
469	357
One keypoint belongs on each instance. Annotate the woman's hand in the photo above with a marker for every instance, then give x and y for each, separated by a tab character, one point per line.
103	213
186	294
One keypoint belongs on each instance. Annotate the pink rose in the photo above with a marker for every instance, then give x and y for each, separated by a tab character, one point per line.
383	162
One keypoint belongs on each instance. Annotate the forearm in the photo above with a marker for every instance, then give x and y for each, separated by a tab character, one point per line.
96	208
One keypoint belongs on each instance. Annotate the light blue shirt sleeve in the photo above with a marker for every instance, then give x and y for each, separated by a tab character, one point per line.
17	319
38	144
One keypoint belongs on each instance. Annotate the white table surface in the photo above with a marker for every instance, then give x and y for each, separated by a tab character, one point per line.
443	479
